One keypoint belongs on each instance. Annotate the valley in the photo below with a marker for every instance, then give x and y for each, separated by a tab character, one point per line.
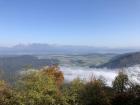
76	65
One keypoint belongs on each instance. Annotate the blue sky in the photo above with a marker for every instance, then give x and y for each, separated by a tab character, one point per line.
111	23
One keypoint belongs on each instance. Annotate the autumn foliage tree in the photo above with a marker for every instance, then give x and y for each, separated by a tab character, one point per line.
41	87
54	73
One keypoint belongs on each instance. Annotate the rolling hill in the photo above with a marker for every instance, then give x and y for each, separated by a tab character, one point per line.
123	60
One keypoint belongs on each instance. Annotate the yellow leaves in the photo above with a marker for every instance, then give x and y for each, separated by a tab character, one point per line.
3	85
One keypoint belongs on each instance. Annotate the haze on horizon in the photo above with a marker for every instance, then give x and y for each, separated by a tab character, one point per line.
99	23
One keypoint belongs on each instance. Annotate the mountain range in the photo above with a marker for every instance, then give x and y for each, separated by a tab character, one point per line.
38	49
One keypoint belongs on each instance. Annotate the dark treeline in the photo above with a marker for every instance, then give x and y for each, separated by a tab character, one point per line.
46	87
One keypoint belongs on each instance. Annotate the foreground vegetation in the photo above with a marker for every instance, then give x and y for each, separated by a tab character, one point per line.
46	87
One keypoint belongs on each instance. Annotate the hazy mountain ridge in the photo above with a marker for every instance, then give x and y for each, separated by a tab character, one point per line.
37	49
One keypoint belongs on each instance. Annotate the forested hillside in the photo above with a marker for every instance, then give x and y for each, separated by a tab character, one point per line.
123	60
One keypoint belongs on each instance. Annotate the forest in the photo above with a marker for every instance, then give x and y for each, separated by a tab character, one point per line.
46	86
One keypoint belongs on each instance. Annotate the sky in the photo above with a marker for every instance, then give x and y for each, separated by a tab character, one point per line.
100	23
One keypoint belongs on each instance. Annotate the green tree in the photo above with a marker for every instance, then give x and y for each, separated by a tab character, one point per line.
94	94
123	94
121	82
73	91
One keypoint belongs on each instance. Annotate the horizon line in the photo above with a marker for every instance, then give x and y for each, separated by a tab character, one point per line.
66	45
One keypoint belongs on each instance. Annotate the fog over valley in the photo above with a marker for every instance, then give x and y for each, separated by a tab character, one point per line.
108	75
